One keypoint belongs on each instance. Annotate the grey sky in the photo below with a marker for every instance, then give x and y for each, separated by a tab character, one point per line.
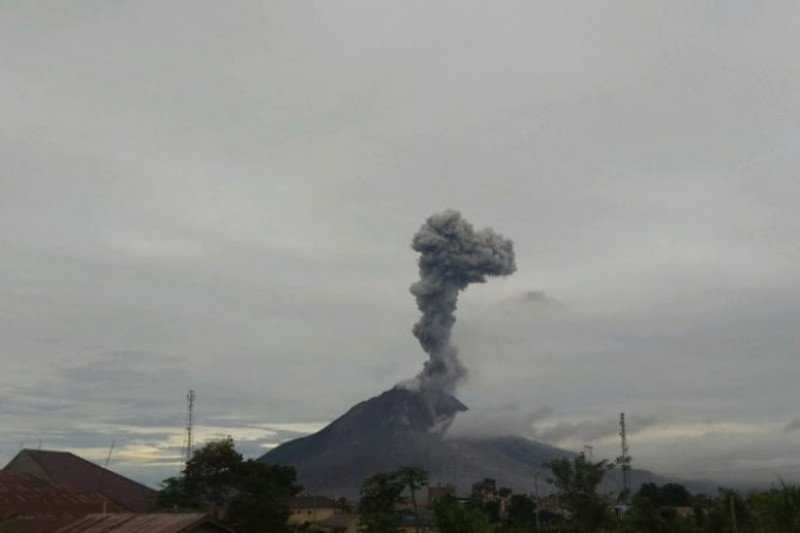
221	195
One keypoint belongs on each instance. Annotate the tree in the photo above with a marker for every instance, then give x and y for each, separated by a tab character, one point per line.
729	514
212	472
453	517
668	495
255	495
522	510
175	495
413	479
778	510
380	495
261	502
577	482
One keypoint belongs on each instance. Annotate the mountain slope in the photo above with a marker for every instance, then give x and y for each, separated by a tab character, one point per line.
399	428
405	428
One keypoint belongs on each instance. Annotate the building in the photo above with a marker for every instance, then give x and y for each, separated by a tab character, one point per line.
438	491
24	495
340	523
312	510
68	471
420	522
145	523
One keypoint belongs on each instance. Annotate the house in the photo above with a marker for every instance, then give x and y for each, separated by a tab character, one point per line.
145	523
312	510
24	495
438	491
340	523
420	522
66	470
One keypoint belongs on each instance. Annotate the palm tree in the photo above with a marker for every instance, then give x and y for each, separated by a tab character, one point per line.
414	479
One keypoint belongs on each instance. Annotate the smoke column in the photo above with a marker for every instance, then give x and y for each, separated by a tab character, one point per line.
452	255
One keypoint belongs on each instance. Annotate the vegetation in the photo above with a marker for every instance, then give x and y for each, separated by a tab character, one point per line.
413	479
252	497
451	516
576	482
247	495
380	496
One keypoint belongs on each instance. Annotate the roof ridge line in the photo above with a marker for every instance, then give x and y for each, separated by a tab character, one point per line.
104	469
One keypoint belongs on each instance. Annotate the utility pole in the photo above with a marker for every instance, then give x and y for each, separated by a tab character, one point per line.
538	500
102	473
189	423
624	460
732	500
110	451
588	451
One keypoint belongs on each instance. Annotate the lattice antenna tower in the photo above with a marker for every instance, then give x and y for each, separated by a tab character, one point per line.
624	460
189	424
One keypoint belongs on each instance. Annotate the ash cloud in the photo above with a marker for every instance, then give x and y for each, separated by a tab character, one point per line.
452	256
590	430
792	426
500	421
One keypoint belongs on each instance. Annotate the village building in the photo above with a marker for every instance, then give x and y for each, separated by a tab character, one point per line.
68	471
145	523
312	510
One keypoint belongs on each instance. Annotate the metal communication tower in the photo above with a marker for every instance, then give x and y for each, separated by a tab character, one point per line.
624	460
189	423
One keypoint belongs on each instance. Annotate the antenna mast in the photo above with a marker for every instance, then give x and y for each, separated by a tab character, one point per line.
189	423
624	460
110	451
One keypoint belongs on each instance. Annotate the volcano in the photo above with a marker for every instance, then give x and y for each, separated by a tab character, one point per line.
407	428
402	427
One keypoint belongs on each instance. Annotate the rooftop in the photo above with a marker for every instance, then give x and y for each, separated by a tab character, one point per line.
27	495
143	523
67	470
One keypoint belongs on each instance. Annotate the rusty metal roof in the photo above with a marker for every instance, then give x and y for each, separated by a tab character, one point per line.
27	495
35	524
67	470
142	523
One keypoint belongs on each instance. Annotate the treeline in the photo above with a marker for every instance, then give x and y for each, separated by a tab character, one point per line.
253	497
577	506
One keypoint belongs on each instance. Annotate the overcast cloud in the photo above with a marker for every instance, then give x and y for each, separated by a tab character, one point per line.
221	196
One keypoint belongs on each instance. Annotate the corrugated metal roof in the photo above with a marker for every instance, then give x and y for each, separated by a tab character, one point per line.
35	524
27	495
70	471
140	523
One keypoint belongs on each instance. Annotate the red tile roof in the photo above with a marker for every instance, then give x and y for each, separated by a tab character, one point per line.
67	470
142	523
27	495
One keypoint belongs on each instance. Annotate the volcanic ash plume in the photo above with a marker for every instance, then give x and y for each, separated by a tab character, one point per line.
453	255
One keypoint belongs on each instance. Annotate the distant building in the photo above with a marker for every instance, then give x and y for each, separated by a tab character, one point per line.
24	495
145	523
312	510
421	522
340	523
485	491
66	470
438	491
